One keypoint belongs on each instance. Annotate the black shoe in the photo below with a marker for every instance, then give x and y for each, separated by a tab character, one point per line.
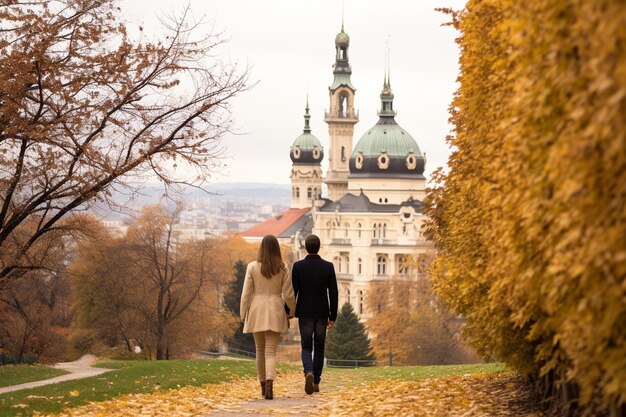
316	387
308	383
269	389
262	388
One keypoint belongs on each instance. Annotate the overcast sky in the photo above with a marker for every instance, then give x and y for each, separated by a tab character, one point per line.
289	45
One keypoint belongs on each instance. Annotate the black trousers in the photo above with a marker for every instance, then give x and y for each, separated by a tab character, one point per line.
313	335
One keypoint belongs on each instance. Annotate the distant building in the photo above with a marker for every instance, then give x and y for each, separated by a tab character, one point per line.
370	224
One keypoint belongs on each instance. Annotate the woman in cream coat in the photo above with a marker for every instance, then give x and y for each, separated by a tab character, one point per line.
266	290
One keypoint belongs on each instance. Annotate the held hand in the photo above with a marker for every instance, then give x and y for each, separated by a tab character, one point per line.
289	317
330	324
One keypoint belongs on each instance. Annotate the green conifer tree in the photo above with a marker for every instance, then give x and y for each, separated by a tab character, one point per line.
348	340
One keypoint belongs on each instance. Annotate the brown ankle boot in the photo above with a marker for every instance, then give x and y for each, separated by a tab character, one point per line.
269	389
262	388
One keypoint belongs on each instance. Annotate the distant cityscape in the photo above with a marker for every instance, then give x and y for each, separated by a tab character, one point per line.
222	209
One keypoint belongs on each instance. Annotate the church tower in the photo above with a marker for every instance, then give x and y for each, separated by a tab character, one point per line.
341	118
306	155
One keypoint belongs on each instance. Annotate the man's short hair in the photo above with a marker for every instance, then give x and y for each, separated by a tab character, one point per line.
312	244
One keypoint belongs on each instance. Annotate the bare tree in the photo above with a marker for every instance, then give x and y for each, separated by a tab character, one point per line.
83	109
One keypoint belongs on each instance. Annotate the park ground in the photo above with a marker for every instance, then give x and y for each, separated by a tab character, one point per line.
228	389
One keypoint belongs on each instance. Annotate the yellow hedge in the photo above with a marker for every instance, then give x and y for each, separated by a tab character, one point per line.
530	219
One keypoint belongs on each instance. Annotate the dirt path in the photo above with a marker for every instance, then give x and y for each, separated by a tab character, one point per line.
78	369
479	395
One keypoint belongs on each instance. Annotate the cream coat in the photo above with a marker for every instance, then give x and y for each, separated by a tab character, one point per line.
263	300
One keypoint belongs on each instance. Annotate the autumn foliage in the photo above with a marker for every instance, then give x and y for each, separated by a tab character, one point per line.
412	327
85	107
154	290
530	220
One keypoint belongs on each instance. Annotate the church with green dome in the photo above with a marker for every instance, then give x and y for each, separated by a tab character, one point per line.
369	217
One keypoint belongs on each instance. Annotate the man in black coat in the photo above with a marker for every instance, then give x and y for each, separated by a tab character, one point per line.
315	288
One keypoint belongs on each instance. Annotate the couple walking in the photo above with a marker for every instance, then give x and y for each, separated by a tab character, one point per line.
272	295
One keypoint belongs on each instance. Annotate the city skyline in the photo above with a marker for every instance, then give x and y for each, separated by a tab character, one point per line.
289	47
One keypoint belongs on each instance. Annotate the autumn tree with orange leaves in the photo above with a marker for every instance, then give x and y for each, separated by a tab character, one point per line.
152	289
84	108
529	221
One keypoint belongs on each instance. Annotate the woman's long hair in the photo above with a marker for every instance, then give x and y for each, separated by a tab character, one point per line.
269	256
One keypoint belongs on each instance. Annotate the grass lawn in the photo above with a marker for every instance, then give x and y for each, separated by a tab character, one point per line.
19	374
411	373
127	377
147	376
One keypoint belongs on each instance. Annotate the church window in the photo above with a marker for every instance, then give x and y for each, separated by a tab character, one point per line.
383	161
360	301
411	162
384	230
309	193
358	161
403	267
297	192
381	265
347	229
343	105
359	266
358	227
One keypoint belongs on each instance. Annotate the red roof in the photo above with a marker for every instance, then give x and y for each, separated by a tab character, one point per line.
275	225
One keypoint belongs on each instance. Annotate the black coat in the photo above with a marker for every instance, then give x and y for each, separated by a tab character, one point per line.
315	288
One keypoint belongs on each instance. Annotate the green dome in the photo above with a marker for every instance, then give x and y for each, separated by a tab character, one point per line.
389	138
306	149
387	150
307	142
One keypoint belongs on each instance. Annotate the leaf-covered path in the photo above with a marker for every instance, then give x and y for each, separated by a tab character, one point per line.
478	395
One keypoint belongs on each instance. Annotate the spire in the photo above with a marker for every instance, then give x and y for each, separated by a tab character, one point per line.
343	8
386	95
387	82
307	116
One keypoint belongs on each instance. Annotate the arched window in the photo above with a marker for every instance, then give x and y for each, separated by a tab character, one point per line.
384	230
381	265
359	266
337	262
347	264
315	192
309	193
348	296
343	105
360	301
358	228
379	230
297	192
347	229
343	153
403	267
